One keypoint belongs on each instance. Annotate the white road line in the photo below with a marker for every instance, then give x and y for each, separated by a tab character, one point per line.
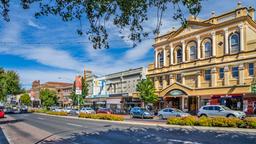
74	124
41	118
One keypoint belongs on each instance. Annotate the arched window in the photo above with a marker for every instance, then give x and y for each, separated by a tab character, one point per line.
161	59
192	52
179	55
234	43
208	49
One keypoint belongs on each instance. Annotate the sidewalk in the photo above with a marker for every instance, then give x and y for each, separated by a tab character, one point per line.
157	124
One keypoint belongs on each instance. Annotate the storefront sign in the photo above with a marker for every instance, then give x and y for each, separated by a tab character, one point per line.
176	93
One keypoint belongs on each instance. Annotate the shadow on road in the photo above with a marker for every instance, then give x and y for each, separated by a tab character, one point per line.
6	121
3	139
157	135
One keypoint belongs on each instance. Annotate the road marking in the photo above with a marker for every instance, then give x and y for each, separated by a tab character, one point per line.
74	124
41	118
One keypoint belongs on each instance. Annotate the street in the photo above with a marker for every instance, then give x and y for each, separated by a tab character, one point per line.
34	128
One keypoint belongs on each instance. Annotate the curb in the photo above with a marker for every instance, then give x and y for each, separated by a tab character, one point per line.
161	125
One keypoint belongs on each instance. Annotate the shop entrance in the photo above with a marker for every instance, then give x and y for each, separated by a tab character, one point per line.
193	104
173	102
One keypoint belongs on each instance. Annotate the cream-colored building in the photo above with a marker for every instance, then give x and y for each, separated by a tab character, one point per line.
209	62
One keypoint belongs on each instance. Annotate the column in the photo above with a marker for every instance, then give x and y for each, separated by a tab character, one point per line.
226	41
164	82
171	54
164	56
182	103
198	47
183	51
156	83
198	80
226	76
241	74
155	58
241	27
213	43
213	77
183	80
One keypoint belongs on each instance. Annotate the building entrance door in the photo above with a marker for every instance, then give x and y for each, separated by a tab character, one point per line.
192	104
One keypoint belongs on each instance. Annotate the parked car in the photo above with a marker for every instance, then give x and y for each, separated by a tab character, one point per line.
24	109
8	110
138	112
74	111
219	110
87	110
2	113
16	110
104	111
67	109
171	112
58	109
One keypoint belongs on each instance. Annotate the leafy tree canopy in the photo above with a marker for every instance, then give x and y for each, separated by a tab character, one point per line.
129	14
147	91
25	99
48	97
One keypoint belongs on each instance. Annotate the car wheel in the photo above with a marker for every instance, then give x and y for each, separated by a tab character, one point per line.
203	115
231	116
161	117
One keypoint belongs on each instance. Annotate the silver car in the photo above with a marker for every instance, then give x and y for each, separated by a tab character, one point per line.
87	110
171	112
219	110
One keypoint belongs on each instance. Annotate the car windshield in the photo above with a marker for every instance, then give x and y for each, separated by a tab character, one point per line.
225	108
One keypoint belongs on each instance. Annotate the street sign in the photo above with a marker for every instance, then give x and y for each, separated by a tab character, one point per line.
78	91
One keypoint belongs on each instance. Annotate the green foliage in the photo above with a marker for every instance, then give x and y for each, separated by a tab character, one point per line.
25	99
57	113
123	14
147	91
249	122
48	97
85	88
9	83
102	116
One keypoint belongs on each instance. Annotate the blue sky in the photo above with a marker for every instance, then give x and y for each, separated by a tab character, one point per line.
47	48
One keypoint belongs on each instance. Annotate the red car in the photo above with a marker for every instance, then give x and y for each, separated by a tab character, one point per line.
104	111
1	113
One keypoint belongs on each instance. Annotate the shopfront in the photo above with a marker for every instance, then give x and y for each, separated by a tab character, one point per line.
249	103
233	101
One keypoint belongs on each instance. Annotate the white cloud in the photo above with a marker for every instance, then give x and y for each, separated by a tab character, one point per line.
35	25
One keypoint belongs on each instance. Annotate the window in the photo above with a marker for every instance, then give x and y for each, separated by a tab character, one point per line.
161	59
234	43
208	49
179	55
211	108
221	73
192	53
251	69
235	72
216	108
207	75
206	108
161	81
178	78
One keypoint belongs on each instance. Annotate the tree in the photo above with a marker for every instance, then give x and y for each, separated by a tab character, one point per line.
9	84
123	14
84	88
25	99
147	91
48	97
75	97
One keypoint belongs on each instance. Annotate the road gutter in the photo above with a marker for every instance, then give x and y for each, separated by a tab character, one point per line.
161	125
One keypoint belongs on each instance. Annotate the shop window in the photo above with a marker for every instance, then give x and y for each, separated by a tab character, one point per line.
235	72
234	43
192	53
179	55
251	69
221	73
178	78
207	75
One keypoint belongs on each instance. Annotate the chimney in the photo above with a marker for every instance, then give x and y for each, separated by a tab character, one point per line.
251	11
239	4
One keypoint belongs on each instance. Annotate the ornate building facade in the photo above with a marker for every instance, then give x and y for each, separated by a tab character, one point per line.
209	62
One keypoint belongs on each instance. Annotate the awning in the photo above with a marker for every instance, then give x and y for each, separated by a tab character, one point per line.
227	96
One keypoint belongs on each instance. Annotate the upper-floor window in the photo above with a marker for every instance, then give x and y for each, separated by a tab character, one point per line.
192	52
251	69
234	43
161	58
221	73
208	49
179	55
161	81
207	75
178	78
235	73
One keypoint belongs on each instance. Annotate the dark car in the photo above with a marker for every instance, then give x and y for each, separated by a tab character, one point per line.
138	112
104	111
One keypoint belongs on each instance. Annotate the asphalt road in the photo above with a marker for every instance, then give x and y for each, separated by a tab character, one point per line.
92	132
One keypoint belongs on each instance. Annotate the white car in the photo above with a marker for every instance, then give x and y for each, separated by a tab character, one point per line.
87	110
67	109
171	112
58	110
